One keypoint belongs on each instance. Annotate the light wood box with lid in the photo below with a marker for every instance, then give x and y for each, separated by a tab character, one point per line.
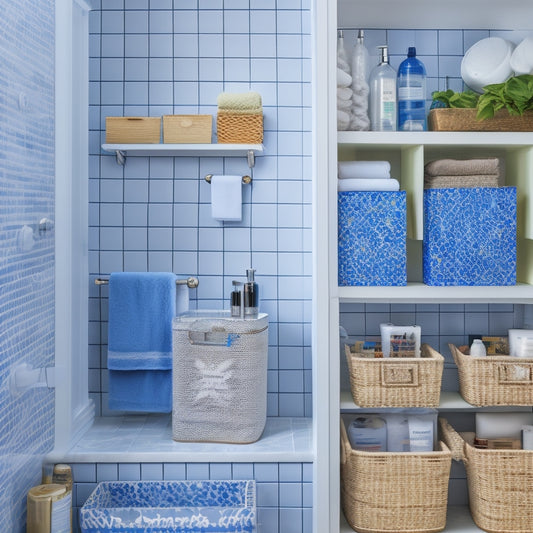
133	130
189	129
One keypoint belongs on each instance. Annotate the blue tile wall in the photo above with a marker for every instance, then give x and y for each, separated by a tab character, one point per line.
26	273
154	58
284	490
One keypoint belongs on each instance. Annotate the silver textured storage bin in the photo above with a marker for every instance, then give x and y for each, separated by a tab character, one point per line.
219	377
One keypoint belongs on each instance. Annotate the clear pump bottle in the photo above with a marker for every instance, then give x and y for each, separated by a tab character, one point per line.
251	295
383	94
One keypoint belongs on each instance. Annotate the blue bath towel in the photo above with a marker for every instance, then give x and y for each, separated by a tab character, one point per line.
141	308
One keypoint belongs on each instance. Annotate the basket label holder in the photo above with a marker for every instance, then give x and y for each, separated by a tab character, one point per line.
399	375
515	374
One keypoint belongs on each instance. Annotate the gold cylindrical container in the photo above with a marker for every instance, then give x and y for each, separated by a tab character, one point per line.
41	500
63	476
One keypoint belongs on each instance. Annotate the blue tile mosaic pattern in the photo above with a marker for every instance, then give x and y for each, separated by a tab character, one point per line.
26	273
283	490
470	236
372	238
154	214
171	506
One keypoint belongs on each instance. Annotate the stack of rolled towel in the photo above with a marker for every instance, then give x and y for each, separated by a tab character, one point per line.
344	82
366	176
240	118
451	173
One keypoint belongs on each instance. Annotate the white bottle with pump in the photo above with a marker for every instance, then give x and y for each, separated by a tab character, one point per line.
383	94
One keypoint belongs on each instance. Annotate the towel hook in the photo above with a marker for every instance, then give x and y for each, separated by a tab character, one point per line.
245	179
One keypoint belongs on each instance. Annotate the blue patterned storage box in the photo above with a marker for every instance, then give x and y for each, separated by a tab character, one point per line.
470	236
170	506
372	238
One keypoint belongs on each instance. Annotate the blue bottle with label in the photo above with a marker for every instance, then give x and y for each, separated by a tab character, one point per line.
411	93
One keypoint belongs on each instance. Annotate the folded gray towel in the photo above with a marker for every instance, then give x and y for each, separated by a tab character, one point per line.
448	182
465	167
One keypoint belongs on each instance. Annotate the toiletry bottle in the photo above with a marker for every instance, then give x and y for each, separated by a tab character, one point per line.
236	299
251	295
383	94
412	93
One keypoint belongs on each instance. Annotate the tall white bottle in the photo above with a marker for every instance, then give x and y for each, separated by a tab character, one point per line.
383	94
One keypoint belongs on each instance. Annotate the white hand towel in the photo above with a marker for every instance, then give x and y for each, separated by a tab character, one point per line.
364	169
371	184
226	198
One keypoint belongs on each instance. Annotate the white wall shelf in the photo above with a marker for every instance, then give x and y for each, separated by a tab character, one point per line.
183	150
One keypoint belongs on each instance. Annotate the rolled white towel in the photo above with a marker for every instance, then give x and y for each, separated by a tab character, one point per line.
343	78
359	122
344	93
364	169
343	120
345	105
343	64
371	184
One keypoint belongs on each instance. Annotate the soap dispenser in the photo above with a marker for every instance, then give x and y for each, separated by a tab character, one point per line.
383	94
251	295
236	299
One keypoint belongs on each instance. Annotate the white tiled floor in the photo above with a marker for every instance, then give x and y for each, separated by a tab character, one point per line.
148	438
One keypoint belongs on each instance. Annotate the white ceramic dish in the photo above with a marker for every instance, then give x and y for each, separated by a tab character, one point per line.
522	57
487	61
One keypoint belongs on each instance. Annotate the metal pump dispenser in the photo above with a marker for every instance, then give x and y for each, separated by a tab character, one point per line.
251	295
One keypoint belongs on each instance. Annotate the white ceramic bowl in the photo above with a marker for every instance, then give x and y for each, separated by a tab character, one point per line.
487	61
522	57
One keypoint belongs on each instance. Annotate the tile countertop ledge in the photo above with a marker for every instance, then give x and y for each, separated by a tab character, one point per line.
148	438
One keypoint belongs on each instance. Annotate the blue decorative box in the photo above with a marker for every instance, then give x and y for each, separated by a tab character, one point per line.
170	506
470	236
372	238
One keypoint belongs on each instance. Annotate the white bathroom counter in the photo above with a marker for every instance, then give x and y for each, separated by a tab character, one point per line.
148	438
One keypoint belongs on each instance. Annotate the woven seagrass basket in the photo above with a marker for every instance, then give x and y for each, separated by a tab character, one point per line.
234	128
396	381
500	483
494	380
448	119
394	492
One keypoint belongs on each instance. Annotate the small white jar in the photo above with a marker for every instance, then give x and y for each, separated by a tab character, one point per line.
478	349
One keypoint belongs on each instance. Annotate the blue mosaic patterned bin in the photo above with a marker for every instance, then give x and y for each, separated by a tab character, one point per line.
470	236
372	238
170	506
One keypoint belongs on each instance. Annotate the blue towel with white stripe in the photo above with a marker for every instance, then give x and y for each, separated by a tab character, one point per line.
141	308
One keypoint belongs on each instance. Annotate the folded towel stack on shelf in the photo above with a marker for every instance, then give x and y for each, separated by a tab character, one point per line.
452	173
366	176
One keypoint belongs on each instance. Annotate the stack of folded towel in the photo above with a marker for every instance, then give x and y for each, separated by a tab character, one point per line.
366	176
451	173
240	118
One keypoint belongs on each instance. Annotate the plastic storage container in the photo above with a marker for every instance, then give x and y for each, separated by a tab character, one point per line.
372	238
170	506
412	93
219	377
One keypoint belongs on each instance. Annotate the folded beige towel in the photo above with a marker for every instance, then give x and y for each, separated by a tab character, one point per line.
448	182
249	102
466	167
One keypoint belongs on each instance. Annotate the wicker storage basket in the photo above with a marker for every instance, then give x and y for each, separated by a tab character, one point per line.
394	492
494	380
234	128
500	483
448	119
396	382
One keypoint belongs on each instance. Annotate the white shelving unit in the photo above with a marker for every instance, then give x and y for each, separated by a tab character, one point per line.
407	151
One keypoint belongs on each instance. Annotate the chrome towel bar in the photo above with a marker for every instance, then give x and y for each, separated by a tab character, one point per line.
191	282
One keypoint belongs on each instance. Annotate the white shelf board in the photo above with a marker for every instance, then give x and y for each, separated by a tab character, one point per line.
378	139
197	150
148	439
458	520
449	401
420	293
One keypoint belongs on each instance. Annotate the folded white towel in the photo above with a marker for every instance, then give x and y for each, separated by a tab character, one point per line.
372	184
364	169
343	79
343	120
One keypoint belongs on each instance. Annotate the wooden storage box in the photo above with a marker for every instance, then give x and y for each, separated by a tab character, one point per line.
495	379
133	130
449	119
396	381
499	483
193	129
396	492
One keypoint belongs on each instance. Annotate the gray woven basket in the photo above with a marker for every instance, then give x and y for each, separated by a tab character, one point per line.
219	377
